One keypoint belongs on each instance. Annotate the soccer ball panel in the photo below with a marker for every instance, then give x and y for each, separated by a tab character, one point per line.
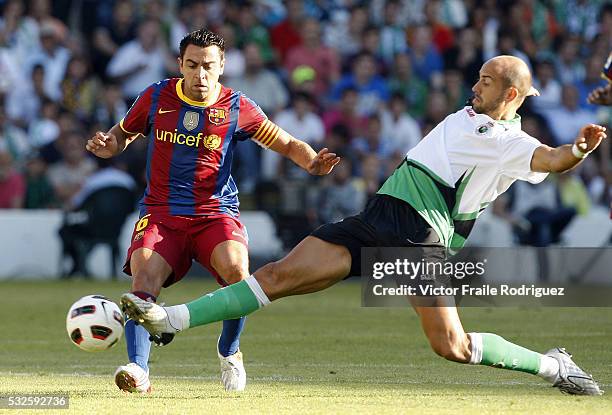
94	323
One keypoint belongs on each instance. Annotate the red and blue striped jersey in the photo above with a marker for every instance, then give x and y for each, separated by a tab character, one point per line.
191	146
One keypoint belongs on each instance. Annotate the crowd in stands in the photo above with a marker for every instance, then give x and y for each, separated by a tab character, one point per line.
367	79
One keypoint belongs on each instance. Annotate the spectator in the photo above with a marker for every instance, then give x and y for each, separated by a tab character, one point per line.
372	141
370	86
39	191
44	130
299	121
107	39
53	57
13	139
111	109
18	33
68	175
24	103
591	81
456	91
466	55
507	45
413	89
436	111
345	113
287	35
79	88
399	127
344	32
250	31
569	68
340	196
392	35
442	35
425	57
371	174
541	208
262	85
565	121
312	53
12	184
545	82
140	62
234	57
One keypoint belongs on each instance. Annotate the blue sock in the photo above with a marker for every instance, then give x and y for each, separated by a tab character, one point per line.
137	337
138	344
230	336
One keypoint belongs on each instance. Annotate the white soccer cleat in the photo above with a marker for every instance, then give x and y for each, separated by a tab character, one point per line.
151	316
233	375
132	378
571	379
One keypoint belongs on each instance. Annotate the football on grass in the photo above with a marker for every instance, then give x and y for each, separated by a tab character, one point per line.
94	323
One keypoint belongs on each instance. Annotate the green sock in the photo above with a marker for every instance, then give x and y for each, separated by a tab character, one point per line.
233	301
493	350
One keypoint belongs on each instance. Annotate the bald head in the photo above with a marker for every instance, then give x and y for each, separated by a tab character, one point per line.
512	71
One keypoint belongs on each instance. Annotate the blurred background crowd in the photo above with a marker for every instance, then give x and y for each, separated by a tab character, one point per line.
367	79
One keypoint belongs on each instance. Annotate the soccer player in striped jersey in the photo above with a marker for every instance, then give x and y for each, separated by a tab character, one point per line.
430	202
190	206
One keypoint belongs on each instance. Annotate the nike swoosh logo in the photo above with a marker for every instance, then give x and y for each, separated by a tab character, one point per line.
237	234
161	111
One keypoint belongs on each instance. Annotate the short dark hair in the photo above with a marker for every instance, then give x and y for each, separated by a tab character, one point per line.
202	38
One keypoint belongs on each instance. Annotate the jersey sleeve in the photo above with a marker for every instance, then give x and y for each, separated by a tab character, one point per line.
136	121
254	124
516	154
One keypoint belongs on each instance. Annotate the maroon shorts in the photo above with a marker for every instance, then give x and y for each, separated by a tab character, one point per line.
181	239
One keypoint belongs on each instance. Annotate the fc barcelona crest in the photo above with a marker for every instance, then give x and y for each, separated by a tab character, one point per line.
191	120
216	115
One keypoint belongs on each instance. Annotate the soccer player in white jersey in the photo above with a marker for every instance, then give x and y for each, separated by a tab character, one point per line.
431	200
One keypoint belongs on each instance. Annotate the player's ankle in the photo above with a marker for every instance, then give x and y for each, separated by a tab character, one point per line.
178	315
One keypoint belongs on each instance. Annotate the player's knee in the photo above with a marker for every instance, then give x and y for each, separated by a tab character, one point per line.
148	281
272	279
451	346
233	272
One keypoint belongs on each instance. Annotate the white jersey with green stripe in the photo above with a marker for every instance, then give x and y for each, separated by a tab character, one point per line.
460	167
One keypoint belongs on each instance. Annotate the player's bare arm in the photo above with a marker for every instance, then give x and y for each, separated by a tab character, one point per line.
548	159
110	144
303	155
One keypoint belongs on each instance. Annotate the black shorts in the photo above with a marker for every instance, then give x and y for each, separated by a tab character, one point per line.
385	222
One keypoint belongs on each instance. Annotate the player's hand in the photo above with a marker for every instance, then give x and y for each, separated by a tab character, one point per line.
103	145
589	137
601	95
323	163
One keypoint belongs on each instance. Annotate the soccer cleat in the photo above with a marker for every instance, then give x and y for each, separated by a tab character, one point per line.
233	375
151	316
132	378
571	379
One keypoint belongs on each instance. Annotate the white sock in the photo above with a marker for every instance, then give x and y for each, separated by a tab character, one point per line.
476	348
178	316
259	293
549	368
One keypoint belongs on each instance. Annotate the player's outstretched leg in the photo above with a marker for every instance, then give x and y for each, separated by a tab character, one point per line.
447	338
311	266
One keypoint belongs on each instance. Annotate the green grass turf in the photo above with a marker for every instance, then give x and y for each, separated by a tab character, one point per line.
319	353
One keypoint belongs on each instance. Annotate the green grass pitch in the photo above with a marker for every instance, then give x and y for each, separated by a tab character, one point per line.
319	353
